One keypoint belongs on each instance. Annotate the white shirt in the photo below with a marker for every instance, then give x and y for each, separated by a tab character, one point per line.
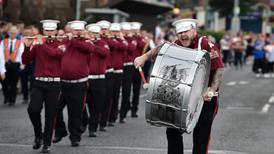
18	58
270	53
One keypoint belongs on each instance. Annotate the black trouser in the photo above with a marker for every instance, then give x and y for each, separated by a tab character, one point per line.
117	77
74	95
126	90
226	54
270	67
201	134
96	102
26	76
60	126
46	93
238	59
259	64
9	85
136	90
108	100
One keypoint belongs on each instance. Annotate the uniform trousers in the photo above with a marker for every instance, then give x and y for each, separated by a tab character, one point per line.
46	93
136	80
201	134
108	100
96	102
60	126
117	77
126	90
74	94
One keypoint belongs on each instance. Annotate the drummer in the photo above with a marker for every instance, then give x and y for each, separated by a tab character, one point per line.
187	36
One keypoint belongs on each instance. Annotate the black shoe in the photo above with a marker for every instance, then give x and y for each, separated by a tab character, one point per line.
6	101
122	121
110	124
92	134
11	103
58	138
134	115
37	143
75	143
83	129
25	101
45	149
102	129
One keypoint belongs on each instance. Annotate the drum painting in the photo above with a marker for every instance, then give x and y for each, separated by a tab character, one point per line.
178	79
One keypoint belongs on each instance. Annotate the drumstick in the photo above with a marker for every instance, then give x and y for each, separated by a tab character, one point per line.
211	94
145	85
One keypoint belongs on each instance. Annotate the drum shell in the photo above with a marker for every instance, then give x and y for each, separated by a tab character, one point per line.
167	102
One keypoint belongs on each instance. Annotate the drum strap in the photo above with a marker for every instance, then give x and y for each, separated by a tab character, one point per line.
200	43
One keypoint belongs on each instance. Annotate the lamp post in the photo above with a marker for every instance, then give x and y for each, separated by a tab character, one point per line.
235	22
78	9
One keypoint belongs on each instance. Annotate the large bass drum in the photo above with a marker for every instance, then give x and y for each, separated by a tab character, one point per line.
178	79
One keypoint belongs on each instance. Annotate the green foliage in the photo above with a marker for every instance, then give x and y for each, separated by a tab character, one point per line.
217	35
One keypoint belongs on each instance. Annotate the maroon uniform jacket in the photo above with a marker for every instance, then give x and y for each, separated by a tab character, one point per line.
110	56
117	48
47	59
75	63
132	44
140	46
214	51
98	59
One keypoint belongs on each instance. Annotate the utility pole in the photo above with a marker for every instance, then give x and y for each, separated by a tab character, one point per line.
78	9
206	13
235	22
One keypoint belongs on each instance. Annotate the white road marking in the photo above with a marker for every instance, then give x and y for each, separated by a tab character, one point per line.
243	82
123	148
265	108
271	99
232	83
239	108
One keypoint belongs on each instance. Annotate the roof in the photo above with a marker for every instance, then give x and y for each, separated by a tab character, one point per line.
141	6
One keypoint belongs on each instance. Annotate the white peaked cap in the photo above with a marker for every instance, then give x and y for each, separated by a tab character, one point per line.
77	24
104	24
126	26
115	27
136	25
95	28
184	25
50	24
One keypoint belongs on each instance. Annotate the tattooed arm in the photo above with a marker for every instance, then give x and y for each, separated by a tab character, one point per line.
217	79
151	54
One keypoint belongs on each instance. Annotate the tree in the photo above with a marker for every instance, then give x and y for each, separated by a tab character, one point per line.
226	6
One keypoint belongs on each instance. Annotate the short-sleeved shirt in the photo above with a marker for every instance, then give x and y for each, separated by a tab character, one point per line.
214	51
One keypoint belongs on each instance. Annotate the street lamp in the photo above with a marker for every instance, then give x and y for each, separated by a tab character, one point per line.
235	22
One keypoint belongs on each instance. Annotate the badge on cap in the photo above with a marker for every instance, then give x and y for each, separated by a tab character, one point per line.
50	24
184	25
77	24
104	24
136	25
126	26
115	27
94	28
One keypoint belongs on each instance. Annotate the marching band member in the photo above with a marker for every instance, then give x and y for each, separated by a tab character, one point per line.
188	37
105	35
46	87
127	70
118	46
136	79
97	68
75	71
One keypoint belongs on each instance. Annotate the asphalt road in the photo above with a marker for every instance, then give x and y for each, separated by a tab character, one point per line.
243	125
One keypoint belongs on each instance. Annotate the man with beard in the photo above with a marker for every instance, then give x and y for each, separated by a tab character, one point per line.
188	37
